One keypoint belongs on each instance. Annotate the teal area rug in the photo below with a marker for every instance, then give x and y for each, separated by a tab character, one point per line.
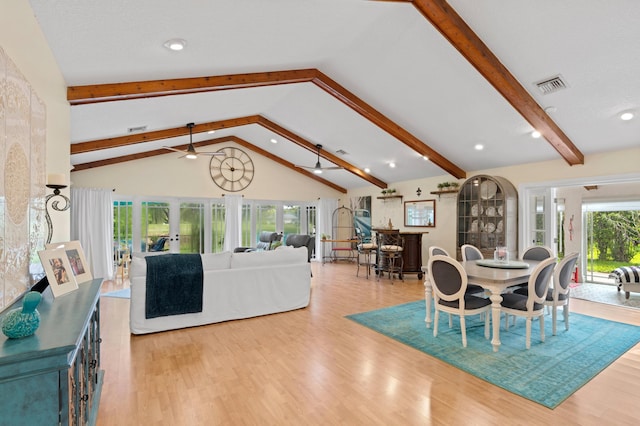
548	373
125	293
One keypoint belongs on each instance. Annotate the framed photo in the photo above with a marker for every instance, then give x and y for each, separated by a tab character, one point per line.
58	270
78	262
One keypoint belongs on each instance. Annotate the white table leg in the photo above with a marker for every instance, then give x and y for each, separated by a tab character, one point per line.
427	299
496	299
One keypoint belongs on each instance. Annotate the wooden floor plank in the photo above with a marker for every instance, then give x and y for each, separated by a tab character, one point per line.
314	367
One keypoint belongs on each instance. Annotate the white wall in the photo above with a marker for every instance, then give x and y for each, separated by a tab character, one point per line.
168	175
598	167
23	42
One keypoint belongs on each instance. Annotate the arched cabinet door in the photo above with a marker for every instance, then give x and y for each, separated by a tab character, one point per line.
487	214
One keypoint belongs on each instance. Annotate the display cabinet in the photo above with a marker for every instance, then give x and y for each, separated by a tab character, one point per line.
488	215
53	377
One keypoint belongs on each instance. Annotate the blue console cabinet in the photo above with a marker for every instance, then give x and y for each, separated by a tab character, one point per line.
53	377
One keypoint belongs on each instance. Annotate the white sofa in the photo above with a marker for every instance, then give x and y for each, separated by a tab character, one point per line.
235	286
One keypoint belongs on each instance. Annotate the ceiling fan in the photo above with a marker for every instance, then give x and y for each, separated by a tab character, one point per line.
317	169
191	152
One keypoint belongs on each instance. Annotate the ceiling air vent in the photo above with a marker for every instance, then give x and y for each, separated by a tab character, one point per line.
551	85
137	129
341	152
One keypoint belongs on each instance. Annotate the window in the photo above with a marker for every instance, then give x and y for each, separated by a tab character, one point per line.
217	227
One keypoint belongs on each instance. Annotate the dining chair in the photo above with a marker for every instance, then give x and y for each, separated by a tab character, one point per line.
537	253
366	246
532	304
471	252
558	295
389	254
532	253
434	250
471	288
449	284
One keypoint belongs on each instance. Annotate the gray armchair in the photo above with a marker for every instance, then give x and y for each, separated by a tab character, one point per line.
265	241
302	240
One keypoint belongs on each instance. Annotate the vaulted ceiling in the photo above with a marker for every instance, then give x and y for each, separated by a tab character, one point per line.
374	82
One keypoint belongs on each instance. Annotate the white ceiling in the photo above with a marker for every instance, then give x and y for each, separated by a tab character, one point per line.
386	53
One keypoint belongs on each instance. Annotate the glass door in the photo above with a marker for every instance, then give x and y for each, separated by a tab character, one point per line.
155	229
191	237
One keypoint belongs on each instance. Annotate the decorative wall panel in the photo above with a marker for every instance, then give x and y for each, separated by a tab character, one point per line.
22	190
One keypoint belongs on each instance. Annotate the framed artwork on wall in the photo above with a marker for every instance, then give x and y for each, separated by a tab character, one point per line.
59	273
420	213
78	262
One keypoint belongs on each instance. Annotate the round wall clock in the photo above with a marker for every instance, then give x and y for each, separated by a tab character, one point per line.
232	172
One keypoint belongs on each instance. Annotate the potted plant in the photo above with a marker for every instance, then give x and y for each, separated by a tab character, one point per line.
384	192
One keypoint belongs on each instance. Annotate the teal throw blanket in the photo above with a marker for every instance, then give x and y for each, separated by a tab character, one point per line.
174	285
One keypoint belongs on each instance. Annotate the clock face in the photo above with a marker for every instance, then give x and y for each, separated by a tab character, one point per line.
232	172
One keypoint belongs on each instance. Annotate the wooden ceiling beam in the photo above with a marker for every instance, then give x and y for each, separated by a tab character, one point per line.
78	95
445	19
300	141
286	163
95	93
99	144
239	141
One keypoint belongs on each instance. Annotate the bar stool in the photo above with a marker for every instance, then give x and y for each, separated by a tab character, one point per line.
366	246
389	254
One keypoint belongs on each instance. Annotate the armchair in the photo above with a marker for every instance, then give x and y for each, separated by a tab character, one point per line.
265	240
302	240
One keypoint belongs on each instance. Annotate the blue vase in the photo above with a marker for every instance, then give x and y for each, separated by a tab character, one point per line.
23	322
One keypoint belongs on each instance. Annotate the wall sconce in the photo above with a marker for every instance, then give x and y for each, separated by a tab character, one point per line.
418	191
56	182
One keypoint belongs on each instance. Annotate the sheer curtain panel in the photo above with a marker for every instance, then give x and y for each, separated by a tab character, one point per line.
92	225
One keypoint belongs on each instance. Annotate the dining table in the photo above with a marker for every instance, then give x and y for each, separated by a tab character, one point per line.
495	277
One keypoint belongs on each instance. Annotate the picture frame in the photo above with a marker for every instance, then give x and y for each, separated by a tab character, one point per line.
420	213
77	260
58	269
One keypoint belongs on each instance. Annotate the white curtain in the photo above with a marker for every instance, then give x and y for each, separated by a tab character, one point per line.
233	221
92	225
324	213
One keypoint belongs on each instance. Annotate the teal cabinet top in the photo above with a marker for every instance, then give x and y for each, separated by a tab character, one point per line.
62	321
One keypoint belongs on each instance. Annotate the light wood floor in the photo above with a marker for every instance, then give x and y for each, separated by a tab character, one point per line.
314	367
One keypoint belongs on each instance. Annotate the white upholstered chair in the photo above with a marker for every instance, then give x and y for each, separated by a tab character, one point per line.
449	284
530	305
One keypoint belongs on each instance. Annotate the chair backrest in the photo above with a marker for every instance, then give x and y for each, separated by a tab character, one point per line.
539	284
470	252
301	240
537	253
265	240
448	278
435	250
390	241
562	275
159	245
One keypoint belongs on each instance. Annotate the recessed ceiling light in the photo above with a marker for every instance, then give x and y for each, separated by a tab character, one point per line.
211	132
273	140
175	44
626	116
367	170
425	158
392	165
535	134
479	147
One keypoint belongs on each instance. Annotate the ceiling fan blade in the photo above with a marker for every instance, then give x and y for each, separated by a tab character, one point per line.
174	149
319	168
213	154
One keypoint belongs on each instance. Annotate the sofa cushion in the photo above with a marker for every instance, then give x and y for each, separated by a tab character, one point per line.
213	261
268	258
